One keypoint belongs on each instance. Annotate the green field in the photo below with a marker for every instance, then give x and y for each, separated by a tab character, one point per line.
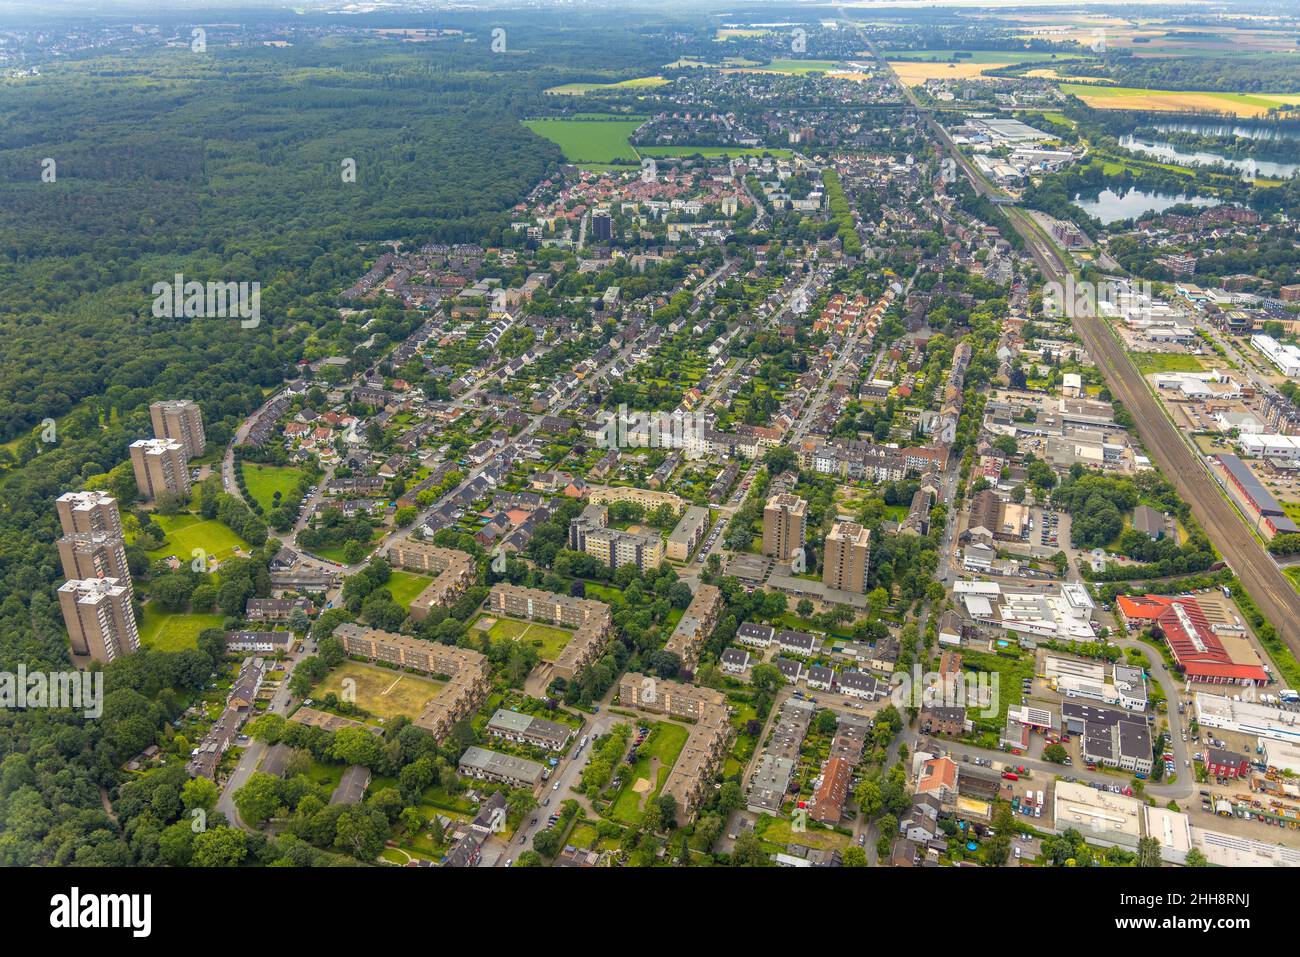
264	481
185	533
173	631
589	141
552	639
664	743
798	67
383	692
405	586
1148	362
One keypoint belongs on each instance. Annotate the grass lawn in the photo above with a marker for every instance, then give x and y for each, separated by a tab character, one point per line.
381	691
264	481
185	533
405	586
173	631
1149	362
777	831
589	141
665	743
550	640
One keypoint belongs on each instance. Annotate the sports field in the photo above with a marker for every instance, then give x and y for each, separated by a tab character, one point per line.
381	691
264	481
1132	98
589	141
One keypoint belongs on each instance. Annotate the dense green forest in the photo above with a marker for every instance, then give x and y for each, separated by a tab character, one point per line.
224	166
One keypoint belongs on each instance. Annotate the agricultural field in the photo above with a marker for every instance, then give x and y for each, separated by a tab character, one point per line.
589	140
263	481
382	692
793	67
173	631
185	533
581	89
1101	97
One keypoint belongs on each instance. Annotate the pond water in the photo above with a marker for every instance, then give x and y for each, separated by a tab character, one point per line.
1110	206
1167	152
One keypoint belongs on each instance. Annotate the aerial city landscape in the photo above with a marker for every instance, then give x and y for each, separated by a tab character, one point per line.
650	436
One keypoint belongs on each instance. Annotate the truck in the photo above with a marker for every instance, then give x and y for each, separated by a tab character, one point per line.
1289	695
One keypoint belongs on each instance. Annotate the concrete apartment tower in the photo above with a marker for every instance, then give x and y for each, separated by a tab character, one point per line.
161	466
181	421
88	513
783	525
99	617
94	555
848	556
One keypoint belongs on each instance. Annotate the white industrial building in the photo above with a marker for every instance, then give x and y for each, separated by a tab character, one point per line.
1285	357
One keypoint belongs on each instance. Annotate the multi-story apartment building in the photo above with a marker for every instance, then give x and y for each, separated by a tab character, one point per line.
88	512
161	467
847	558
695	626
706	744
506	768
617	548
99	617
592	620
94	555
455	571
783	525
181	421
466	671
687	534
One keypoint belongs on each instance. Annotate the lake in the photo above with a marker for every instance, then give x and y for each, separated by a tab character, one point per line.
1168	153
1110	206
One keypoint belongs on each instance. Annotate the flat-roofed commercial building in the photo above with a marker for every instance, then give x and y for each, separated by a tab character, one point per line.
161	468
88	513
1246	717
181	420
505	768
847	558
1102	817
695	626
99	617
784	521
591	619
688	533
453	569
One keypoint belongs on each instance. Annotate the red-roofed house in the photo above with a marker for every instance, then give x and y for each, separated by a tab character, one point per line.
938	777
1141	612
828	802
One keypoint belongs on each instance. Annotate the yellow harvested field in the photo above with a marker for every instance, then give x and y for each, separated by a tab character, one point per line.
915	74
1050	74
1254	104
